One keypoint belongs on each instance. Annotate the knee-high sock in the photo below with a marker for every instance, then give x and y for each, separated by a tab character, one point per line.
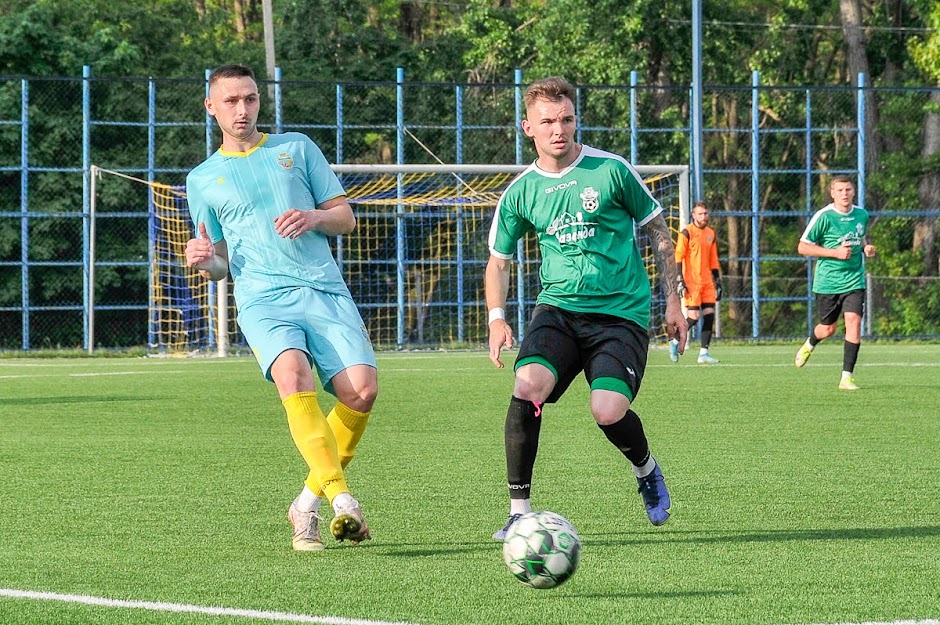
522	445
627	435
316	443
849	356
347	425
708	324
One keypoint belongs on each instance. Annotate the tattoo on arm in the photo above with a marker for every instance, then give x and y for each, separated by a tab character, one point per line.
664	253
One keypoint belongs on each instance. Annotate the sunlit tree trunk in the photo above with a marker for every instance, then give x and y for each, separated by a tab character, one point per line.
857	61
925	232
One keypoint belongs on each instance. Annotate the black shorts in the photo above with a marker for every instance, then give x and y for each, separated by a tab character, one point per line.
831	305
611	351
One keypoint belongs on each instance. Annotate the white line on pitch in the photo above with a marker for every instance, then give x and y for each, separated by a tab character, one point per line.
81	375
160	606
930	621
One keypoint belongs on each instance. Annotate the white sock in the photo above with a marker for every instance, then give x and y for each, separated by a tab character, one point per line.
520	506
846	374
674	341
646	468
343	502
307	501
702	351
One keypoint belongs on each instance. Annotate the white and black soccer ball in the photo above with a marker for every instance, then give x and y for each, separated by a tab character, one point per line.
542	549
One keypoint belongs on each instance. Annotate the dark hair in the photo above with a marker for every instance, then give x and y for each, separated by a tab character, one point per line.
553	89
836	179
699	203
230	71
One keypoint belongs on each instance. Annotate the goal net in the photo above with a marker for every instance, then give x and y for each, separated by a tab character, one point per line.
414	264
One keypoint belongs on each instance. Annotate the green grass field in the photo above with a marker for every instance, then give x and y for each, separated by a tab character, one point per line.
168	480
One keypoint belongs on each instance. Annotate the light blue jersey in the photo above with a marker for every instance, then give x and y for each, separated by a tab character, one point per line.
238	195
290	292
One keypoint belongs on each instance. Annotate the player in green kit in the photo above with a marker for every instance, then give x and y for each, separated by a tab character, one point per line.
593	312
836	236
264	206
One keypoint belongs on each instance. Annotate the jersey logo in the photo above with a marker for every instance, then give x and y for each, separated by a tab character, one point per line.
571	229
219	180
285	160
562	186
589	199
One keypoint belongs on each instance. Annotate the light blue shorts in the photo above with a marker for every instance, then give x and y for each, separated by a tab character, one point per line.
325	326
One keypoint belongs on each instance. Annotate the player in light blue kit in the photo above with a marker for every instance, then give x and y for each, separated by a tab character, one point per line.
264	206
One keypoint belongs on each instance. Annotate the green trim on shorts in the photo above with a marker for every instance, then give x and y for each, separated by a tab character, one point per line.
612	384
528	360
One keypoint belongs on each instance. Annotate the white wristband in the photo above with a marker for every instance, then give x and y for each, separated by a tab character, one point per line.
496	313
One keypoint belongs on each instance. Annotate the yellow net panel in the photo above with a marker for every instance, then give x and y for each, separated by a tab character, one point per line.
414	264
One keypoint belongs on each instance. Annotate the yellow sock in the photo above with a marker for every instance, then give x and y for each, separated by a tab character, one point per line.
347	425
317	444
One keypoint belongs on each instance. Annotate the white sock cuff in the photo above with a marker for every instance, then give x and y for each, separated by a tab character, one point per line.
520	506
307	501
344	501
646	468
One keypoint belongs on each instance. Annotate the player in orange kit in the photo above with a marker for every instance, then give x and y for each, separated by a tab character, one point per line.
699	279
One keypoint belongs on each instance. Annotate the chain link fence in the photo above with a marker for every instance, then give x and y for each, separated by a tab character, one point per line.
767	154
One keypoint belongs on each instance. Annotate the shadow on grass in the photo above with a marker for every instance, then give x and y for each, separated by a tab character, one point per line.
768	536
429	549
617	594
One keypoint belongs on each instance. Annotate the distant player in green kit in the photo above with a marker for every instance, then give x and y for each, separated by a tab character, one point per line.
593	311
836	236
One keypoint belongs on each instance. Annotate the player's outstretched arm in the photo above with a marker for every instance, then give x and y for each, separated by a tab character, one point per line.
211	260
664	254
496	288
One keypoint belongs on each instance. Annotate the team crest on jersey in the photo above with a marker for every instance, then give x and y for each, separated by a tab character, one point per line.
589	199
285	160
859	229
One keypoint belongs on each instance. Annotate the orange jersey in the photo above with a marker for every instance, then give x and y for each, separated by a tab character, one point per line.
697	250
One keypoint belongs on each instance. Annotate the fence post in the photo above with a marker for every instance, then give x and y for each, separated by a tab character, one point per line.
697	100
86	201
808	163
458	218
24	211
755	204
634	148
520	247
860	191
400	209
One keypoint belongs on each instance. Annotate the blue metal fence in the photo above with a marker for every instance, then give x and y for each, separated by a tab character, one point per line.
156	129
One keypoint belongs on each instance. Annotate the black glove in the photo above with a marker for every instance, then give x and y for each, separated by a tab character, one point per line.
716	278
680	286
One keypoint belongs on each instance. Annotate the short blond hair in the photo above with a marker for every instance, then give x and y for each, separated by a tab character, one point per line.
553	89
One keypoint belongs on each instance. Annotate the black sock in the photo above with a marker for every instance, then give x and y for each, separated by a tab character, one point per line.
692	322
627	436
849	356
522	445
813	339
708	323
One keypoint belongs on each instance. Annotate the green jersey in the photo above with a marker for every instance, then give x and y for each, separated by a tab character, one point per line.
585	219
831	229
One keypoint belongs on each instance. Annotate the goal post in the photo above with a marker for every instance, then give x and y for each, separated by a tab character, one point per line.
414	264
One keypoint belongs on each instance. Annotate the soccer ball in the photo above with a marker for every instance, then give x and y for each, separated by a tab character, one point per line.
542	549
